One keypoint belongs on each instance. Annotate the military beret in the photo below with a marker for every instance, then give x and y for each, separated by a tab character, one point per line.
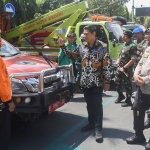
137	30
128	33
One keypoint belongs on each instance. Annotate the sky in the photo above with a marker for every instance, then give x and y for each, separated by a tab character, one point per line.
138	3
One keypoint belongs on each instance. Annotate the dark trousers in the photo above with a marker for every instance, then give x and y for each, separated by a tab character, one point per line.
5	128
141	104
120	78
93	98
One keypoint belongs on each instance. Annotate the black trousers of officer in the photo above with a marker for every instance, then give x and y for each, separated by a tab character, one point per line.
93	98
141	104
5	128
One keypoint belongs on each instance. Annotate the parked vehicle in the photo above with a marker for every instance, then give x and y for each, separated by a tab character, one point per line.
37	87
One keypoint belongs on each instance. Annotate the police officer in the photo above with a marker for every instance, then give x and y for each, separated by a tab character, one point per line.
142	79
147	37
125	65
140	42
141	45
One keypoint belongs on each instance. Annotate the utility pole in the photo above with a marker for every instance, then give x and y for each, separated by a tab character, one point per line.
132	10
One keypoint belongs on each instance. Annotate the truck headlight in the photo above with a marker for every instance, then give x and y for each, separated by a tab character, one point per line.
17	86
32	84
63	75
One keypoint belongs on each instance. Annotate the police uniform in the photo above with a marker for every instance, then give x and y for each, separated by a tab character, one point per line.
147	122
128	53
142	44
143	99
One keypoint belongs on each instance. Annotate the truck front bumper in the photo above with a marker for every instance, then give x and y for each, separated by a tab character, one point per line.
41	102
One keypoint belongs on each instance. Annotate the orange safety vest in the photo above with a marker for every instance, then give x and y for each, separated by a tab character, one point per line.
5	86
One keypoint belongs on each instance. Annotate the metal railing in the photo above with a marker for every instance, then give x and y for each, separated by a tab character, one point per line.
45	72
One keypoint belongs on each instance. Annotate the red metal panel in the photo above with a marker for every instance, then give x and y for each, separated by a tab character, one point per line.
38	38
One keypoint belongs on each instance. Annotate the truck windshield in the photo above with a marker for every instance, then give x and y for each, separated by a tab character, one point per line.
100	32
116	29
7	49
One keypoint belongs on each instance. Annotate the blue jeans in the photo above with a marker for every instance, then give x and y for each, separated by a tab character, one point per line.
93	98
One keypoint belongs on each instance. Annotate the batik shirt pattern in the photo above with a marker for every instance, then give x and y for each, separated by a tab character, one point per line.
96	68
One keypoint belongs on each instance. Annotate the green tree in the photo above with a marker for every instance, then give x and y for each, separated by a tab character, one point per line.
24	10
116	8
2	5
50	5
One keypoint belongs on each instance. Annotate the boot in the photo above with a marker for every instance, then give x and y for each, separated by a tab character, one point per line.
136	139
98	136
127	102
147	122
87	127
147	146
120	98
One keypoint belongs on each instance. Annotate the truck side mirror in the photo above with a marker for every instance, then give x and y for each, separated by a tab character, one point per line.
114	43
111	36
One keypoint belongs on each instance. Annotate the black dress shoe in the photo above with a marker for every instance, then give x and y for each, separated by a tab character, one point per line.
98	136
147	124
119	98
147	146
135	139
87	127
126	104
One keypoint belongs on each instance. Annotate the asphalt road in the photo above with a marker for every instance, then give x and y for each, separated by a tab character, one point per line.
61	129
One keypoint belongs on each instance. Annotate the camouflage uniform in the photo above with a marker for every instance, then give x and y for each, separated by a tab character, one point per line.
142	44
128	53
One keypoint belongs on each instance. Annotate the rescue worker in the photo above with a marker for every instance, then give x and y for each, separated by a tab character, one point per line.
6	106
62	58
124	71
142	80
95	76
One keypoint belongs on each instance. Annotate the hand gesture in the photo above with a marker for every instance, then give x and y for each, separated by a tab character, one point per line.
106	87
11	106
117	62
60	41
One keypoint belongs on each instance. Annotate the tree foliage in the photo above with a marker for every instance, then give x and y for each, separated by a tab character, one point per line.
26	9
116	8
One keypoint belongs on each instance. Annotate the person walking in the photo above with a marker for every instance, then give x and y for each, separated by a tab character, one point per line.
95	76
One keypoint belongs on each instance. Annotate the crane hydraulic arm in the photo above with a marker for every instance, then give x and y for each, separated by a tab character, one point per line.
44	20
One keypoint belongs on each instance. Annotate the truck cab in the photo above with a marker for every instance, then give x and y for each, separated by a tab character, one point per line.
37	87
108	32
